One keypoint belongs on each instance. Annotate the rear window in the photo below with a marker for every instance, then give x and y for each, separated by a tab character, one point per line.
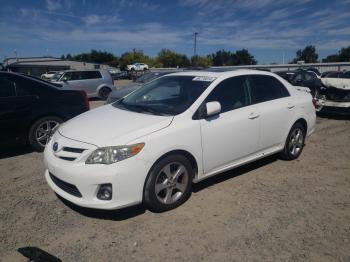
265	88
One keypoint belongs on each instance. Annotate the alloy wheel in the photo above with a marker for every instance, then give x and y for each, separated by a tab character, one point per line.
45	130
296	141
171	183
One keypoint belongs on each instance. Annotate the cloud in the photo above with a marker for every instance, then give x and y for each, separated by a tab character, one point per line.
52	5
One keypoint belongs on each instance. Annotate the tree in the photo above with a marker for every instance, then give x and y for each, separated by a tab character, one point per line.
344	54
308	55
63	57
135	56
68	57
243	57
200	61
227	58
168	58
331	58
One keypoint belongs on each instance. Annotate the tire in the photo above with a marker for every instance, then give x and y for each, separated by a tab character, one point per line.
294	143
104	92
163	190
43	128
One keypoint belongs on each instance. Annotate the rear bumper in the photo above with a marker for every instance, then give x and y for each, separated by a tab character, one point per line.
332	107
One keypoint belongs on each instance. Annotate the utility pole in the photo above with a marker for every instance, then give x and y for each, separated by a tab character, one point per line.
195	44
15	51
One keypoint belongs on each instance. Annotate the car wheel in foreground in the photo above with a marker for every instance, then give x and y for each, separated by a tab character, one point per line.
168	184
104	93
295	142
41	131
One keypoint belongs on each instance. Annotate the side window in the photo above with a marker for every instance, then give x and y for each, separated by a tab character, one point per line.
7	88
264	88
67	76
230	93
76	76
91	74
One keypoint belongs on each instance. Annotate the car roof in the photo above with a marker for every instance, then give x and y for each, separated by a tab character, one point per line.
223	74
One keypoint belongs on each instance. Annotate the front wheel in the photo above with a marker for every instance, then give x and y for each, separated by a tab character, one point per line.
42	130
294	143
168	184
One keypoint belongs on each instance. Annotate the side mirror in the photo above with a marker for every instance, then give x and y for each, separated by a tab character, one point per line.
213	108
64	79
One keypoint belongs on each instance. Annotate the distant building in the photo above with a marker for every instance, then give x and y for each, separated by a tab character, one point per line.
39	65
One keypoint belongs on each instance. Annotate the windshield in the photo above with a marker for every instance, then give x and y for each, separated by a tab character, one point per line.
56	76
169	95
147	77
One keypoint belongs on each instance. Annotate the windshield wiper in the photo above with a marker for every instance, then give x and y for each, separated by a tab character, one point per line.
140	108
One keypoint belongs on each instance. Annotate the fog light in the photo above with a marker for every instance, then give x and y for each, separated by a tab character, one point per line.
105	192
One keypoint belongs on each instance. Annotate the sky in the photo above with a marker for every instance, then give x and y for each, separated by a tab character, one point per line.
272	30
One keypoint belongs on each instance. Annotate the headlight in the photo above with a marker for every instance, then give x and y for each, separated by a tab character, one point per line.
113	154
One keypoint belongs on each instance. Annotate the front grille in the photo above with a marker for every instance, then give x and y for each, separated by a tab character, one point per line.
67	158
73	150
69	188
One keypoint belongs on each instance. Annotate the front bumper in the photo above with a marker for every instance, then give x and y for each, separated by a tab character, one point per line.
127	178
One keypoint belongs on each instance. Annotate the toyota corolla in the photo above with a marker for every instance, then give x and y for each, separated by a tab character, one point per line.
152	145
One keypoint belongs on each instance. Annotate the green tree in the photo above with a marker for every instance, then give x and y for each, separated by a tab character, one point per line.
200	61
135	56
228	58
168	58
69	57
331	58
308	55
344	54
63	57
243	57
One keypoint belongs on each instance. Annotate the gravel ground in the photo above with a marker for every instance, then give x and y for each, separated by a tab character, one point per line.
271	210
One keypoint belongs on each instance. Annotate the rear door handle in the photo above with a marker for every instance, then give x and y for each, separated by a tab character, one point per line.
290	106
253	115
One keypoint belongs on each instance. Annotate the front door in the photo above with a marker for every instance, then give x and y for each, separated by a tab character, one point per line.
234	133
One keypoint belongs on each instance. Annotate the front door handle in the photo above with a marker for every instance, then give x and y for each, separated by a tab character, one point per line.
253	115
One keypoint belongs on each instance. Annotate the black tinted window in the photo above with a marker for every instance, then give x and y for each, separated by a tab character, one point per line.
91	74
346	75
7	88
265	88
230	93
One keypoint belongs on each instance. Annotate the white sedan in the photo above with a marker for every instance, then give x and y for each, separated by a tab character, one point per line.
137	67
150	146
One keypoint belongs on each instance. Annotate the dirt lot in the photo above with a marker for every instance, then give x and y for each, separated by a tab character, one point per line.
267	211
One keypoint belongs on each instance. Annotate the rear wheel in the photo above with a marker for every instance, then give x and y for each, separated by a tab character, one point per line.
104	93
41	131
295	142
168	184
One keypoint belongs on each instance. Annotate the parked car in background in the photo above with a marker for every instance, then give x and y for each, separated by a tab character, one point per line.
96	83
307	79
334	95
132	86
286	74
32	109
150	146
56	76
48	75
137	67
118	74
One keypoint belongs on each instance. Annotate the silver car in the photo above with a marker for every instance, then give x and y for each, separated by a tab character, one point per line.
96	83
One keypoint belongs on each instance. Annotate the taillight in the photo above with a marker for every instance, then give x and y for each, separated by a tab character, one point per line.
314	102
85	98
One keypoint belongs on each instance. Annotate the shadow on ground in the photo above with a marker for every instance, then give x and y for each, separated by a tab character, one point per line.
7	151
116	215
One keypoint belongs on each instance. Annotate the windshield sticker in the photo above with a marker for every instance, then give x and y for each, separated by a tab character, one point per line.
204	78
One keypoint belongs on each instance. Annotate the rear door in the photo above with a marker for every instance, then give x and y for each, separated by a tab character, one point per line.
276	109
91	80
234	134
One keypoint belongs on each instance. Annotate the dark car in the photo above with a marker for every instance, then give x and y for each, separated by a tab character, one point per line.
31	109
308	79
132	86
287	75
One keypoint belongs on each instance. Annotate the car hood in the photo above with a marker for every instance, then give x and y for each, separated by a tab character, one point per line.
110	126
